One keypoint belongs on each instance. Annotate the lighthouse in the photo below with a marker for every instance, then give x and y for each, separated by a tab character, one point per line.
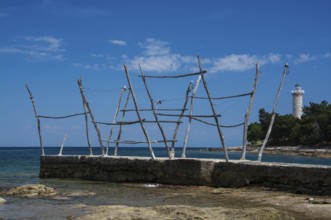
297	94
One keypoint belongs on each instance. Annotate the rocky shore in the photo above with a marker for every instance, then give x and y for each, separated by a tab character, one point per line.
322	152
139	201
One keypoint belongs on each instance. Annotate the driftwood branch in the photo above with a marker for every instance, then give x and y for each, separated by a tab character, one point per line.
138	142
121	122
145	109
115	116
122	118
38	120
226	97
80	85
243	151
138	113
190	117
189	88
273	114
214	113
222	126
61	117
86	125
177	76
154	112
62	145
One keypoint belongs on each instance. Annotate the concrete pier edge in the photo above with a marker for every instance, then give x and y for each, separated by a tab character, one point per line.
298	178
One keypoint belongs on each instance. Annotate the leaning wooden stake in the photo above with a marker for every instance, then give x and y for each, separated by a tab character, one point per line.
120	129
257	74
154	113
38	121
114	119
86	125
220	133
190	118
80	85
62	145
273	114
138	113
189	88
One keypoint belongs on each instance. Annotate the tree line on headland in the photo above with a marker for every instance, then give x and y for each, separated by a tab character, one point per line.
313	129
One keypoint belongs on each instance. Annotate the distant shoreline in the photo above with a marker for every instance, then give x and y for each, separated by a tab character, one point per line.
321	152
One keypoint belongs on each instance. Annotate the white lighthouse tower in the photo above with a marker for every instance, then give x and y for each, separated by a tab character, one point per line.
297	94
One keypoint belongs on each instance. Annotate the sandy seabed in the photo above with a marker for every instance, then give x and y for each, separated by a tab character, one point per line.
73	199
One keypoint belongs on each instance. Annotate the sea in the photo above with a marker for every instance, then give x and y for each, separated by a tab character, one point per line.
20	166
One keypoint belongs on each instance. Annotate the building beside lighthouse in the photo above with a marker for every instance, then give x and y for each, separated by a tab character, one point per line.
297	94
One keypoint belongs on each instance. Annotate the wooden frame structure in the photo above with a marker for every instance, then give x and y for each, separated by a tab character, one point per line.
190	96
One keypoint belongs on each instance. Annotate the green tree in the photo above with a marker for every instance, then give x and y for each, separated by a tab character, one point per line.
313	129
255	133
316	121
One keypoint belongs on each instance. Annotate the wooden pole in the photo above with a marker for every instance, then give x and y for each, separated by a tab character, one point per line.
62	145
86	122
80	84
120	129
273	114
154	113
257	74
38	121
189	88
138	113
214	113
115	116
190	118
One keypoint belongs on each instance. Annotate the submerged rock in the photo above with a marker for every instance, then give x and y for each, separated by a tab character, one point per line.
32	190
2	201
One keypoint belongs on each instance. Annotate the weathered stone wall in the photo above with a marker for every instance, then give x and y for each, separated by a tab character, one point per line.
294	177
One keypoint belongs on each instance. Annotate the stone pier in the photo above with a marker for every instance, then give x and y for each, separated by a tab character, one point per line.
298	178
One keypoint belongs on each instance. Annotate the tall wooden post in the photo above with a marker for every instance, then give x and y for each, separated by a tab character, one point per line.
189	88
273	114
86	124
214	113
38	121
154	113
138	112
62	145
257	74
120	129
190	118
80	85
114	119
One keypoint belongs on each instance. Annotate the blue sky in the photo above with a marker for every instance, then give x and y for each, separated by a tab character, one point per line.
50	44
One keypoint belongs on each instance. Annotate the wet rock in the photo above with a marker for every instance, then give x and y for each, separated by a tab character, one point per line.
31	190
2	201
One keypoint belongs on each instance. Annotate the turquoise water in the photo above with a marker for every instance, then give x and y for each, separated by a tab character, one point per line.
20	165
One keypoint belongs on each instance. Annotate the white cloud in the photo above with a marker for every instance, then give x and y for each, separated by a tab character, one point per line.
326	55
304	57
157	57
95	67
47	43
118	42
242	62
234	62
37	48
158	64
154	47
274	58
